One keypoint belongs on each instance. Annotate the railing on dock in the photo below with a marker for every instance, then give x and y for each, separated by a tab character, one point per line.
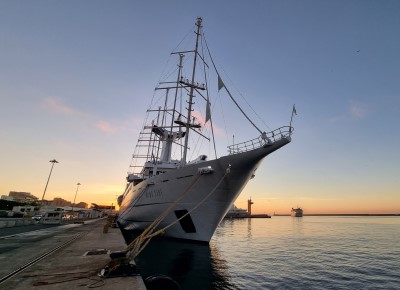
260	141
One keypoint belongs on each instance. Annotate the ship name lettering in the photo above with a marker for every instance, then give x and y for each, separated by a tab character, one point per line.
154	193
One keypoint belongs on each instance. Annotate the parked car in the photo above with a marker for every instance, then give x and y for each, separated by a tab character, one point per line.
37	217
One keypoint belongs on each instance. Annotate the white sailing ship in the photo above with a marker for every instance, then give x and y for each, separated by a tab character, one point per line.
235	212
166	192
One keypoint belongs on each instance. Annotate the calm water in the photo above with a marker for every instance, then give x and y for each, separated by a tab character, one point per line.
285	253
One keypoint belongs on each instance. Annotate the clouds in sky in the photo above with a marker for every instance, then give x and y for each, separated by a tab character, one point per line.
358	111
116	127
105	126
354	110
56	105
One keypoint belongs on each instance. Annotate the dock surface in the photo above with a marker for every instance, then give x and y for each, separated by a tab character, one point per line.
59	260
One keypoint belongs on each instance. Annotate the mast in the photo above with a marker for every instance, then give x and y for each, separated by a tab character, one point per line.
190	102
181	55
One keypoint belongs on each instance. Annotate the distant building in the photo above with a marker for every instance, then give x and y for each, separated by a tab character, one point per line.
6	197
58	201
81	205
26	209
45	202
22	197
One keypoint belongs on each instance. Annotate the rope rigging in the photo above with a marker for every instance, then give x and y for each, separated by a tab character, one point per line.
229	93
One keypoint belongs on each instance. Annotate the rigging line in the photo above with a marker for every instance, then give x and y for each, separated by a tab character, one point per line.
208	98
223	118
196	147
163	71
246	101
134	160
230	95
166	65
188	33
166	77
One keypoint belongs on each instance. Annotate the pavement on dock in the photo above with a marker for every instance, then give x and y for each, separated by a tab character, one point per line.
70	268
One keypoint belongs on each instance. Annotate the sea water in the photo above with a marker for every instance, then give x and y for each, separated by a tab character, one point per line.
311	252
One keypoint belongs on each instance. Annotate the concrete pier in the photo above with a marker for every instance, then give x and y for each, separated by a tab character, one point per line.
13	222
69	267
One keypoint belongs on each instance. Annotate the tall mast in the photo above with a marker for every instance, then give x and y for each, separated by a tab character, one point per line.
181	55
190	102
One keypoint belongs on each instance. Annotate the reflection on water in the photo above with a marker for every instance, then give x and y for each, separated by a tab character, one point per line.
284	253
193	266
297	226
249	228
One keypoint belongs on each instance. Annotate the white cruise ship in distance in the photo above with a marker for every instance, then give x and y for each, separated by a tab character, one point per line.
296	212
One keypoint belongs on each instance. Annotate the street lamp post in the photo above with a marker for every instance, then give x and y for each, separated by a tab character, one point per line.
77	187
48	179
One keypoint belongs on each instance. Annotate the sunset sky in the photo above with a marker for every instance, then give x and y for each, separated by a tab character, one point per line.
77	76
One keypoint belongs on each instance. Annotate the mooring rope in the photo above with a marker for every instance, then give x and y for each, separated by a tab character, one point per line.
137	246
136	243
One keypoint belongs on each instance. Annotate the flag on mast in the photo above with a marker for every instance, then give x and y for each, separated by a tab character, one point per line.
220	83
208	111
294	112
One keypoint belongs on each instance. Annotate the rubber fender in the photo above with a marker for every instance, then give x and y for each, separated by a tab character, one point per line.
161	282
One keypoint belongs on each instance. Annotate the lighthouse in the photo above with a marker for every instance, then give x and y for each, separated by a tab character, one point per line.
249	203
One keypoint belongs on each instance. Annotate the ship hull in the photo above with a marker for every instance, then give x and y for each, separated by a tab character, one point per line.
203	200
296	213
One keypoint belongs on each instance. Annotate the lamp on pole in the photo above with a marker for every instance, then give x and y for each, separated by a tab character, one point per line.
77	187
47	183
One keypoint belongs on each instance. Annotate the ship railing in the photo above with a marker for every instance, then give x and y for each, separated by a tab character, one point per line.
262	140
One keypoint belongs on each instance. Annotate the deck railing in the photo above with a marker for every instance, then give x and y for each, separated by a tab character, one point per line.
260	141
